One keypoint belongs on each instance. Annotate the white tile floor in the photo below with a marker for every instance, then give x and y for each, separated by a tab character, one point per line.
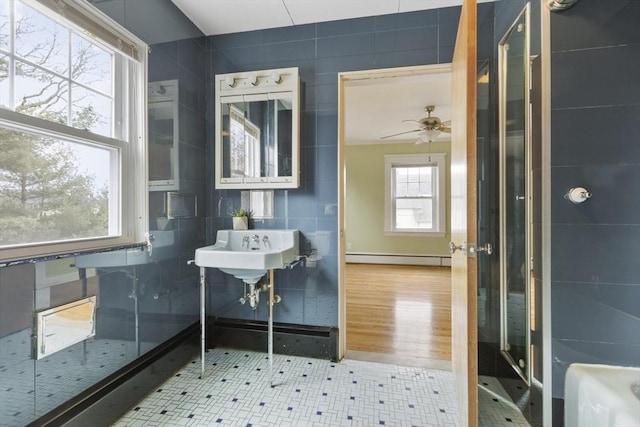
495	406
308	392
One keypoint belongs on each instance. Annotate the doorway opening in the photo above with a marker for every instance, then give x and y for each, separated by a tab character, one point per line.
395	280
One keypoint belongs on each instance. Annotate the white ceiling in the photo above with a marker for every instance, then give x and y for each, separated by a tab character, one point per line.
375	107
232	16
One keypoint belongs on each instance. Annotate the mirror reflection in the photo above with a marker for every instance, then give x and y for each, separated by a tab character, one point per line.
257	130
256	138
163	135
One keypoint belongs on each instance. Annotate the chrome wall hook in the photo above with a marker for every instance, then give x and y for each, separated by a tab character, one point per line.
577	195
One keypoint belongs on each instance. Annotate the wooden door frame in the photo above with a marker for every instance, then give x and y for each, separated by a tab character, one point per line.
343	78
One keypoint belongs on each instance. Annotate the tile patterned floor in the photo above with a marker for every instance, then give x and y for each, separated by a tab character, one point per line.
496	407
308	392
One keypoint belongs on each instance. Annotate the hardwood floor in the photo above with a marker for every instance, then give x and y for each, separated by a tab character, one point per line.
398	310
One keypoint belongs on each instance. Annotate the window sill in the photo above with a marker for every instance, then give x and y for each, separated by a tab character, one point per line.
435	234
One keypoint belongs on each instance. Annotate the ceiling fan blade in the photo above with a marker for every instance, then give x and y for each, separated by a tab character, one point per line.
401	133
411	121
445	129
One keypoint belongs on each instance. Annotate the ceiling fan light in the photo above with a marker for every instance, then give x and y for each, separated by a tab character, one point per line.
422	138
427	136
432	134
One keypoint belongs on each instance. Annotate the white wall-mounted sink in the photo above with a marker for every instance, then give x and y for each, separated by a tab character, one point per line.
249	254
164	247
602	396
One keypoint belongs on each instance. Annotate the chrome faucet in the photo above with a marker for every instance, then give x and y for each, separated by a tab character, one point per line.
256	239
245	239
265	240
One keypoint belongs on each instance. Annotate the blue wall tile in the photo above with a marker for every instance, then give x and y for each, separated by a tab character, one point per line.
340	46
580	138
595	253
592	318
346	27
600	24
596	77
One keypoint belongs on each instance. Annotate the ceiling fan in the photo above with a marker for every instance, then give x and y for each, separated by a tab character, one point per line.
429	127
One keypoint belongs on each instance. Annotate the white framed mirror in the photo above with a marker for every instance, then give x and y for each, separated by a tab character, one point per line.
257	136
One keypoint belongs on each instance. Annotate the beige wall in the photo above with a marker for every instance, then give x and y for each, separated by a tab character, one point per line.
364	207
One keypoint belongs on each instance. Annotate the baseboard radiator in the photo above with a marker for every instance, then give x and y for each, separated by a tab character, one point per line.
320	342
375	258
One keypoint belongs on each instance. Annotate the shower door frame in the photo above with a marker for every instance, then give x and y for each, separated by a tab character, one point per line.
524	372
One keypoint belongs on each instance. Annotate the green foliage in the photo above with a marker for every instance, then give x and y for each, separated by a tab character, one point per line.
241	212
43	195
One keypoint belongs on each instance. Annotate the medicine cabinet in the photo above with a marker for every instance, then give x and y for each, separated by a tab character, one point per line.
257	135
163	136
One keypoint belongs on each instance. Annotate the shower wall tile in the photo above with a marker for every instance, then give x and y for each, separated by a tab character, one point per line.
592	319
596	77
601	24
595	253
616	143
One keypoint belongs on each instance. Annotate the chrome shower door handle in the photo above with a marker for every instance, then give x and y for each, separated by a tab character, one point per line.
453	248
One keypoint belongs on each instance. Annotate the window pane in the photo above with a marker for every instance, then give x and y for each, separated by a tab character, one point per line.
4	81
4	25
413	181
414	214
41	94
91	65
41	40
426	181
52	189
90	110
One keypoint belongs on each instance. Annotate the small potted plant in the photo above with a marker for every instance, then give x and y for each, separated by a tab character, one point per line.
240	218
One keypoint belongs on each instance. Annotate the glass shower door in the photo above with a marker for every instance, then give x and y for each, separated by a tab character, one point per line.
515	194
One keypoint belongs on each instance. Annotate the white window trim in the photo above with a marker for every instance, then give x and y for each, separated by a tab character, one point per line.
434	159
132	147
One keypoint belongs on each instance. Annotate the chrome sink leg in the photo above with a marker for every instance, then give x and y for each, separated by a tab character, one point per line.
203	319
270	325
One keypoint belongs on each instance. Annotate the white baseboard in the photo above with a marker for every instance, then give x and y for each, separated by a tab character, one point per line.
430	260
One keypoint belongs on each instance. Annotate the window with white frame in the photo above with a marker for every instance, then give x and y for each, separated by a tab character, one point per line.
415	194
72	130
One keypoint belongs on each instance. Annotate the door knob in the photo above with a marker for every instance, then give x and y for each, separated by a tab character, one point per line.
453	248
472	249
